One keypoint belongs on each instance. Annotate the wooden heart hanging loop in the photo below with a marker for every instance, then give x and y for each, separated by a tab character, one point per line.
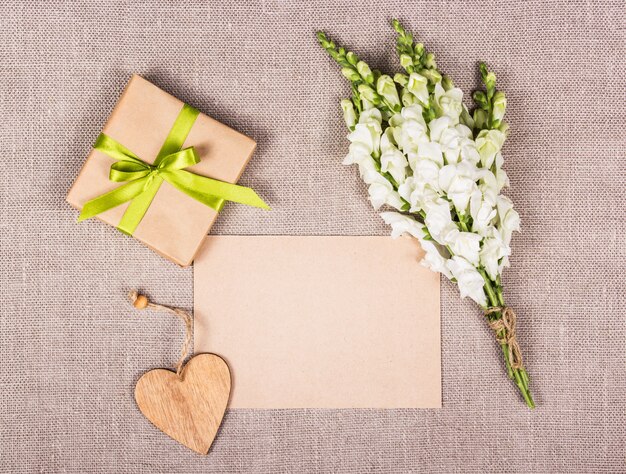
188	405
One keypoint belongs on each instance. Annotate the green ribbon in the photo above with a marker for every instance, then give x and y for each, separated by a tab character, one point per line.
143	179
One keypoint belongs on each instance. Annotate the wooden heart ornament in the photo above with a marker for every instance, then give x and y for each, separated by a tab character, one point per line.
188	406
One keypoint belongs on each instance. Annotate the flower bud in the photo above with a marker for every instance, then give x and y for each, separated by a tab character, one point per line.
490	83
499	107
447	83
481	99
368	94
406	61
480	119
488	144
349	115
367	105
401	79
483	71
419	49
387	88
352	58
418	86
350	74
365	72
429	61
408	99
431	74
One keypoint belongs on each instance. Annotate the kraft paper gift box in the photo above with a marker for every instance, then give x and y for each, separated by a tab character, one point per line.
175	224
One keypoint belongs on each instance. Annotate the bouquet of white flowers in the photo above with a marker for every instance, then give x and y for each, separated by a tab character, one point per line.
420	151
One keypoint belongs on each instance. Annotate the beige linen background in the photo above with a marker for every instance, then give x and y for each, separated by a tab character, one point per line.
72	349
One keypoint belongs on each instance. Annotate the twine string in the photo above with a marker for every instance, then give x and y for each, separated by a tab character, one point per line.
141	302
505	329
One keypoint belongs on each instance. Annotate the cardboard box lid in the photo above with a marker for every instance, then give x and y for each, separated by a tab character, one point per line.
175	225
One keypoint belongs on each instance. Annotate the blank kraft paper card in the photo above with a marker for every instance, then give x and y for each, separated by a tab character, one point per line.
320	322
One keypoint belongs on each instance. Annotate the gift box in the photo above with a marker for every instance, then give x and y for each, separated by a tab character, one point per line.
161	153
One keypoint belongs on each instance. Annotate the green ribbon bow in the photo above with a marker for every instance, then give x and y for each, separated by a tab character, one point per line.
143	179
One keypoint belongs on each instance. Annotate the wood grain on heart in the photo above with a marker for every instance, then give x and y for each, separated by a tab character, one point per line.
188	408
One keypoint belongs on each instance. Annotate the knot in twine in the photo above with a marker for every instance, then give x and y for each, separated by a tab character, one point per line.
142	302
504	327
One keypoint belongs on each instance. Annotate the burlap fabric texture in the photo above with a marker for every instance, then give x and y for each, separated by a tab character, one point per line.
72	349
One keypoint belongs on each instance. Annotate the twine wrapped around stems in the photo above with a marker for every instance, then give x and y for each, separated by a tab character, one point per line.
504	327
142	302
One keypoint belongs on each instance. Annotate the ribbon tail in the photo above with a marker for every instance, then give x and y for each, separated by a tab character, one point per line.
212	192
138	208
111	199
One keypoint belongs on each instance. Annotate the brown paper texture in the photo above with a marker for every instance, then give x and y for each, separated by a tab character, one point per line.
320	322
175	225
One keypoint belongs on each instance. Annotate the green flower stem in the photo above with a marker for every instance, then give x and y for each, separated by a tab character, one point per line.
496	299
519	376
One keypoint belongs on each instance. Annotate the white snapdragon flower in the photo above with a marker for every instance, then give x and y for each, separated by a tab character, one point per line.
469	280
499	106
438	218
417	193
492	251
392	160
367	105
365	139
464	131
463	244
489	143
367	167
454	140
467	145
349	114
437	126
380	190
406	190
435	256
460	191
409	99
482	212
427	172
371	115
402	224
499	160
451	145
357	153
504	262
489	185
394	163
459	182
409	128
509	218
450	102
418	86
502	178
429	151
383	193
469	153
387	88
